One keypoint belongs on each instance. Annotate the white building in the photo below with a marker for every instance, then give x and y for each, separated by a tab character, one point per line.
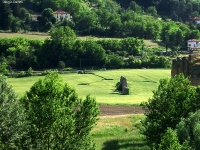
193	44
196	20
61	15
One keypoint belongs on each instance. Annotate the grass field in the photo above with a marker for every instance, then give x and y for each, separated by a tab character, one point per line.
33	36
119	133
141	83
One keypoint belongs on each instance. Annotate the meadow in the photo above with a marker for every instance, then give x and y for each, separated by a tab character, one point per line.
101	84
119	133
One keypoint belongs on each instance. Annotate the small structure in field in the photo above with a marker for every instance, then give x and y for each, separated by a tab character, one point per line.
122	86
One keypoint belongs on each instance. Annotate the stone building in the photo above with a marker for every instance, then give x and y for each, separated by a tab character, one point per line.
189	66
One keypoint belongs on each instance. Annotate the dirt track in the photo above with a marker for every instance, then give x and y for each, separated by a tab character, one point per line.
109	110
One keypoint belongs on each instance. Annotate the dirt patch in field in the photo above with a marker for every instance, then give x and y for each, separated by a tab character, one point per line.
110	110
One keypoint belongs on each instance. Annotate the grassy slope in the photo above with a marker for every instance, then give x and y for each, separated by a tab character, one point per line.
33	36
119	133
42	36
140	81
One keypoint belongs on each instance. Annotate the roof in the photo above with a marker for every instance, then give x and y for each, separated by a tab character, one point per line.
195	19
60	12
193	40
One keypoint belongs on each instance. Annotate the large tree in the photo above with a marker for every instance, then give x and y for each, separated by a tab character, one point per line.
58	118
13	127
174	98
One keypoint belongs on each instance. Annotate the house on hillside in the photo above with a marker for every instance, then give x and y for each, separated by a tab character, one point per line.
61	15
193	44
196	20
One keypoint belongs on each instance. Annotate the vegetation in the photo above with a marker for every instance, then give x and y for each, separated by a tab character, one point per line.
172	117
13	126
188	130
49	116
168	21
141	82
119	133
173	100
21	54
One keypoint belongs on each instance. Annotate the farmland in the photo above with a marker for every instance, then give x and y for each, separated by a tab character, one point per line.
101	84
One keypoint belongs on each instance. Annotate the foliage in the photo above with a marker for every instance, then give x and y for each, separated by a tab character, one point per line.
62	34
21	53
13	127
173	99
169	141
188	129
61	65
57	117
30	71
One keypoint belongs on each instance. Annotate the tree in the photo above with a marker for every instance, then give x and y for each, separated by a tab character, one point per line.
62	35
61	65
3	65
173	99
170	141
58	118
47	19
85	21
188	129
152	11
132	45
13	127
15	24
5	16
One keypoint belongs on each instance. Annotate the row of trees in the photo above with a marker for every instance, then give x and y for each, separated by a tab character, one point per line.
172	116
49	116
19	53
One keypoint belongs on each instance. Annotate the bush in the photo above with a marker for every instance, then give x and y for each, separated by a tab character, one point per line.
81	72
30	71
67	69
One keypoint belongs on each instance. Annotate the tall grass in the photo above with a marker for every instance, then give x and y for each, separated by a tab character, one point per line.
119	133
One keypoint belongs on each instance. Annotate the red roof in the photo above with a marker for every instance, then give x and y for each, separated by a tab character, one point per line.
195	18
60	12
193	40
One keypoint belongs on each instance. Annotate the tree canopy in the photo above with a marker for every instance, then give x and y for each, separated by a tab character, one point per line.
58	118
173	99
49	116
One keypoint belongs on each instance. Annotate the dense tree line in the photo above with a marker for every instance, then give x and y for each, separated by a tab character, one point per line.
174	9
63	46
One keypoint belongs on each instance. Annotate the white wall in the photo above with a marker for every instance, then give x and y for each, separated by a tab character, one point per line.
61	17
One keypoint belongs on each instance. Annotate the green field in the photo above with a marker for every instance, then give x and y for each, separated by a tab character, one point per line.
141	83
31	35
119	133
